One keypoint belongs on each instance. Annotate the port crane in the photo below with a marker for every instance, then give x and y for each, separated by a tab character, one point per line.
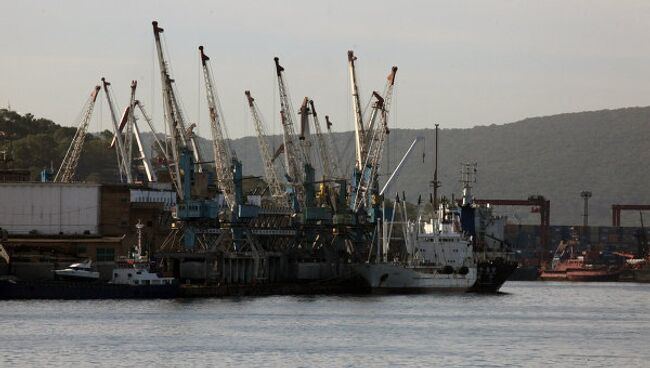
182	138
294	155
223	158
68	167
278	194
369	140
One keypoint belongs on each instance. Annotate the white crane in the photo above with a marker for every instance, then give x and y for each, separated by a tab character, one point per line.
70	161
222	154
120	152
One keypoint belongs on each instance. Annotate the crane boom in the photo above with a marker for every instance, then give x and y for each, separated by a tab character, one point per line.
294	157
120	152
323	150
71	159
359	133
222	155
270	175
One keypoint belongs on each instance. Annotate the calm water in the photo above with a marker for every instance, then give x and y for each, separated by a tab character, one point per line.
532	324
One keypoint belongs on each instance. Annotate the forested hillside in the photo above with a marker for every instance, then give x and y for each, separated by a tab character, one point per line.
606	152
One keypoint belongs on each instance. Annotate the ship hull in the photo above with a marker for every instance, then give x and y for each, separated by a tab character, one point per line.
492	274
394	278
580	275
526	273
69	290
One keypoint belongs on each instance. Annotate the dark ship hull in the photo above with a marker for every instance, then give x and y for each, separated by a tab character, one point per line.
10	289
492	274
525	273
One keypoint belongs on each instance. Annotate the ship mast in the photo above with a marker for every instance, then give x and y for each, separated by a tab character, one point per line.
435	183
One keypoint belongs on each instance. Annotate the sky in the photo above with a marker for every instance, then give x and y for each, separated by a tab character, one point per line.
461	63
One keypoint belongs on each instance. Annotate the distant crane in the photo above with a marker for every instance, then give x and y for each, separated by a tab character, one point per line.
270	175
223	158
68	167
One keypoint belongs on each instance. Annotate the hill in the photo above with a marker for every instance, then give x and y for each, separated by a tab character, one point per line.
606	152
556	156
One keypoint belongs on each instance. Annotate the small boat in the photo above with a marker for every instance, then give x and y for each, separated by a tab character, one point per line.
81	271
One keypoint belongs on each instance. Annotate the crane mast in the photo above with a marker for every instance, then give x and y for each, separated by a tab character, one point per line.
125	170
222	154
71	159
293	154
270	175
181	137
304	138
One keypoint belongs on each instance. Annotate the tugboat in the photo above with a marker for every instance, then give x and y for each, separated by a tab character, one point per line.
567	266
81	271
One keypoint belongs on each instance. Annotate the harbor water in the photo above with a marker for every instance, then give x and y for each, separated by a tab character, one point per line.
529	324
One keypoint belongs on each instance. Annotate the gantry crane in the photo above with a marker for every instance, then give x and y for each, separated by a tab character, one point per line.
278	194
181	138
70	161
223	158
294	157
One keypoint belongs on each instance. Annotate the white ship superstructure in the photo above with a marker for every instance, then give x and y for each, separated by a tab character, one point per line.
439	258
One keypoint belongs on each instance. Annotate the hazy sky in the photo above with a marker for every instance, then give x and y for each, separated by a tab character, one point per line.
460	63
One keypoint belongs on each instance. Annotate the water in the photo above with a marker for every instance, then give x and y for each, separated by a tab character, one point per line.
531	324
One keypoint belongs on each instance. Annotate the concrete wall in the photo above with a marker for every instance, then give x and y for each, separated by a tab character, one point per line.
49	208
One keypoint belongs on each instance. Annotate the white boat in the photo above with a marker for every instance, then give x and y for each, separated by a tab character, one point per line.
81	271
136	270
137	273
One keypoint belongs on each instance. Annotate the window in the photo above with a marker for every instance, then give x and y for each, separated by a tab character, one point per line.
105	254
